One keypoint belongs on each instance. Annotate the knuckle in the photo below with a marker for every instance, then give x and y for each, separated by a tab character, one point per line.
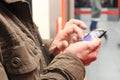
67	23
73	25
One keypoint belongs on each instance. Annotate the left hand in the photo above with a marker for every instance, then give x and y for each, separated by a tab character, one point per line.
64	37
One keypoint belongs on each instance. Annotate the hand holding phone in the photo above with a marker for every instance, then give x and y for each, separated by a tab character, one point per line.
98	33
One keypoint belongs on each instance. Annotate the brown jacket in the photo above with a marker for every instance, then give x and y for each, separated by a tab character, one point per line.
21	50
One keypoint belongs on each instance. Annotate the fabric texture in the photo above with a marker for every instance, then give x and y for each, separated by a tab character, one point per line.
21	53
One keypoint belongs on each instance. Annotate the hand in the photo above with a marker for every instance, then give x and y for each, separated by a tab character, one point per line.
64	37
86	51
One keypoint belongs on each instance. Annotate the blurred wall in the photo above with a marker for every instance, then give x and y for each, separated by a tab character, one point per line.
46	12
41	12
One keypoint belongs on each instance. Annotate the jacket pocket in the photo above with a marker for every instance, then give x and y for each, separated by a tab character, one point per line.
22	59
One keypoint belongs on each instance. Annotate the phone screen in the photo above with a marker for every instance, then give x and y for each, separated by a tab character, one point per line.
94	34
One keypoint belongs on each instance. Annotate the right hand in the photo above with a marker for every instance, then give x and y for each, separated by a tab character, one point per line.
64	37
86	51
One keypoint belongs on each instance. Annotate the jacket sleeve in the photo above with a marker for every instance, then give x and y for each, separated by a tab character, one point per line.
47	42
64	66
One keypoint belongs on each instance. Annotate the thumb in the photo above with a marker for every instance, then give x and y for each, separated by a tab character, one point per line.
61	46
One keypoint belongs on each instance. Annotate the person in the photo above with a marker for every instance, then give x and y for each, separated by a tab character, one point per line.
25	56
96	13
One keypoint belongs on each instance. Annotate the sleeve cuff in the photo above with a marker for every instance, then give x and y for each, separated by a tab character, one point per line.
69	65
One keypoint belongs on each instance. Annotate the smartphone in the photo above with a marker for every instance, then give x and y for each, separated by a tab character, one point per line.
98	33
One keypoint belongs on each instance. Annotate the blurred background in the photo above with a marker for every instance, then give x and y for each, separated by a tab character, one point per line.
51	15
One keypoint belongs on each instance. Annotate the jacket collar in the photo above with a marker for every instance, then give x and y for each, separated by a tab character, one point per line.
20	8
12	1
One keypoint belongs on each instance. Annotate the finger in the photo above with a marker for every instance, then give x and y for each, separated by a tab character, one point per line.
78	31
88	62
97	42
59	47
79	23
92	57
74	39
94	44
85	34
62	45
75	29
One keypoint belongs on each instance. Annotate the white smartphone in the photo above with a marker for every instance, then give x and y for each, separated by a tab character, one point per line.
98	33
